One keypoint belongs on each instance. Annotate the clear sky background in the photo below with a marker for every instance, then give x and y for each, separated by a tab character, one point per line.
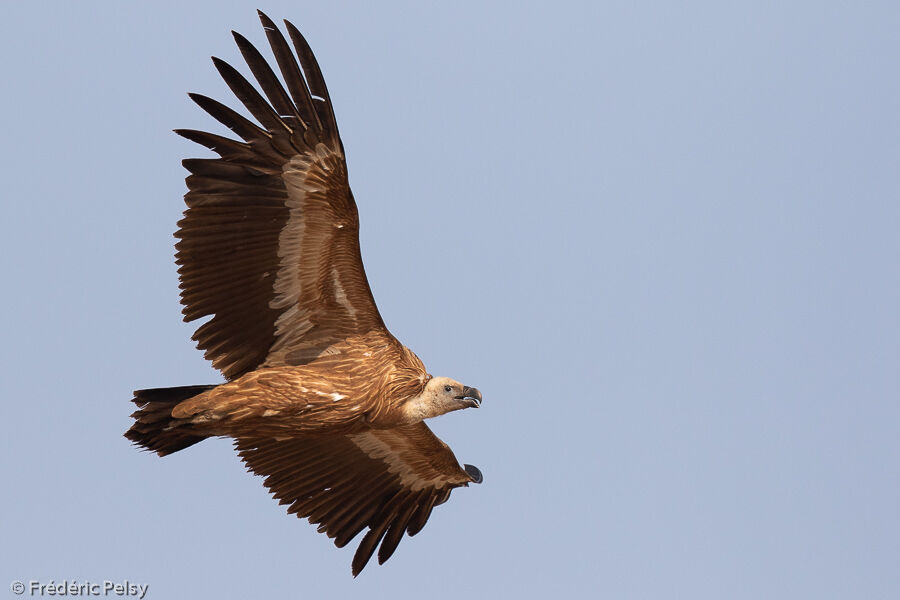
662	240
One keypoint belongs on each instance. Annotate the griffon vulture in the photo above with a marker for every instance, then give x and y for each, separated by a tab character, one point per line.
319	397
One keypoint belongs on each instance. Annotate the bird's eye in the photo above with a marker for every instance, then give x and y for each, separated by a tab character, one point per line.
447	388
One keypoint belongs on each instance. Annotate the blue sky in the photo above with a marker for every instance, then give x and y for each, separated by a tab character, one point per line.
661	239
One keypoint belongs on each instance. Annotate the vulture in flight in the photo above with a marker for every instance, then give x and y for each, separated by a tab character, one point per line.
319	397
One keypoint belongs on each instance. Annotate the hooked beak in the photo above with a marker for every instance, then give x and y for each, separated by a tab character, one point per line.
471	397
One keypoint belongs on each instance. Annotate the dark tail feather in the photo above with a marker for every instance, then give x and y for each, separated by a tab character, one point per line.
154	428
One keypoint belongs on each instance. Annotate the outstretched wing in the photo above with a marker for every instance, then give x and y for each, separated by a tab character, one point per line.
386	480
269	244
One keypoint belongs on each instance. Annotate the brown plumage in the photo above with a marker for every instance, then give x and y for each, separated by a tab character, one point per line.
319	397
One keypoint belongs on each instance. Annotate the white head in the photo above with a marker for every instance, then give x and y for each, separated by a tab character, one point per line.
441	395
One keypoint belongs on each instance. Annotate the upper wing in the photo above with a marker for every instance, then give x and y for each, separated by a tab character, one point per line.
388	480
269	244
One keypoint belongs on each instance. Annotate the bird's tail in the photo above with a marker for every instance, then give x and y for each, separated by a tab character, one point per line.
154	428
